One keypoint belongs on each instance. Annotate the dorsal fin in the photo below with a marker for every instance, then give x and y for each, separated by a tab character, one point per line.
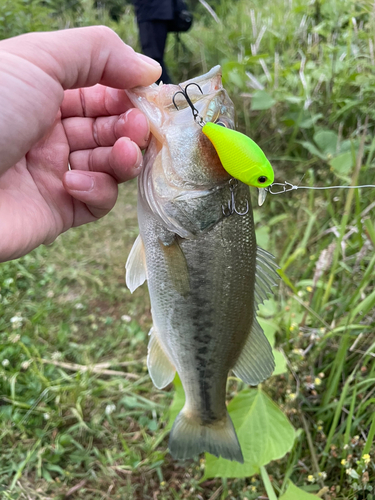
265	276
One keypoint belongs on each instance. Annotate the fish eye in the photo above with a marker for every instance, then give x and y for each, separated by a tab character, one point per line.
221	123
262	179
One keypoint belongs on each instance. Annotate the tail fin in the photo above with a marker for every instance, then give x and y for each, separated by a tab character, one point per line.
189	437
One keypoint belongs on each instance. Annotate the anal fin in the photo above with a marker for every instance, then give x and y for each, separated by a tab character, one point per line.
136	270
256	362
160	368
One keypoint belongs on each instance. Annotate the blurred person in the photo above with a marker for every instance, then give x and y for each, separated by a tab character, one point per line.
154	18
68	133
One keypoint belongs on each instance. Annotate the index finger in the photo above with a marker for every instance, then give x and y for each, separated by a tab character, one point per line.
82	57
95	101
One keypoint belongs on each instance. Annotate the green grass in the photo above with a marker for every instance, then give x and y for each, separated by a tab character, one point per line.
78	413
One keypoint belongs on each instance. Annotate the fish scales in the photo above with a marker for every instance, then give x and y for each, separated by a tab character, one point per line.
200	268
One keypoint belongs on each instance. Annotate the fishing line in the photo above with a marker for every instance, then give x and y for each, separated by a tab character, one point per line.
288	186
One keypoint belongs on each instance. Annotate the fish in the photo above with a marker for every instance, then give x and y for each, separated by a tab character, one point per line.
205	273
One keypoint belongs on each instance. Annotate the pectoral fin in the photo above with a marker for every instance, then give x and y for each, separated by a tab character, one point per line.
160	368
136	271
176	266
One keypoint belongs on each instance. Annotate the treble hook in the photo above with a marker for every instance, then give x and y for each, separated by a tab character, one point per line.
197	118
231	208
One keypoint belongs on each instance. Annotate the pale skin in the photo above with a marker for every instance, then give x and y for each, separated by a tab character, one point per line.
62	103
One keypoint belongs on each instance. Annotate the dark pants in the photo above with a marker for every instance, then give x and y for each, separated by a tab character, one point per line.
153	36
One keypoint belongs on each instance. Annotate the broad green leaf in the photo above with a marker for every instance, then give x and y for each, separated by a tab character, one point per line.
261	100
312	149
178	401
270	329
294	493
342	164
280	363
234	72
236	78
264	432
326	141
268	308
310	121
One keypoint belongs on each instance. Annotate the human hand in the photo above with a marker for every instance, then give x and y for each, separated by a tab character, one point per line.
44	127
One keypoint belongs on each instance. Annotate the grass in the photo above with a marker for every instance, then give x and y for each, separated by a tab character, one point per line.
79	415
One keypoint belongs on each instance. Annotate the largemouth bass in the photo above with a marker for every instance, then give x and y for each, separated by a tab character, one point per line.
205	273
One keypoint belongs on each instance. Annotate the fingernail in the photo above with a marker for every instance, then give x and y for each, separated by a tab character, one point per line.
139	160
138	123
148	60
78	181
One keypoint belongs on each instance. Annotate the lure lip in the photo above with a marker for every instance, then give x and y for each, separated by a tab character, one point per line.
262	195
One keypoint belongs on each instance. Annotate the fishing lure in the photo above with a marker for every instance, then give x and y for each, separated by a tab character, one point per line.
240	156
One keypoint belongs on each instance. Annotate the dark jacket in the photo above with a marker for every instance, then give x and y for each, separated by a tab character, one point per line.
152	10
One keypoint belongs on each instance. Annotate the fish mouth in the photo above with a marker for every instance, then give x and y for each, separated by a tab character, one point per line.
209	82
209	107
206	93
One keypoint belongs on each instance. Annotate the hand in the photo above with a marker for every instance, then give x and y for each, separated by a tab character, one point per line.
44	127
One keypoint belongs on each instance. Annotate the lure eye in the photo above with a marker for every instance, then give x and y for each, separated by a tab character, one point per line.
262	179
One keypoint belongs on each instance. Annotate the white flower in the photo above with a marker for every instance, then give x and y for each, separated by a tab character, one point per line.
126	318
78	306
16	322
46	416
5	362
110	409
352	473
14	338
25	364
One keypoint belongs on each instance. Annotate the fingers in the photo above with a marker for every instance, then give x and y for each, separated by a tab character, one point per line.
95	101
98	191
95	175
82	57
88	133
35	69
123	161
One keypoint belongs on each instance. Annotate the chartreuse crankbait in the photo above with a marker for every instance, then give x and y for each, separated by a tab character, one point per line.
240	156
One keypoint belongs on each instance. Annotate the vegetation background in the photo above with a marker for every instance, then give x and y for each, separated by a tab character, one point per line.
79	417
